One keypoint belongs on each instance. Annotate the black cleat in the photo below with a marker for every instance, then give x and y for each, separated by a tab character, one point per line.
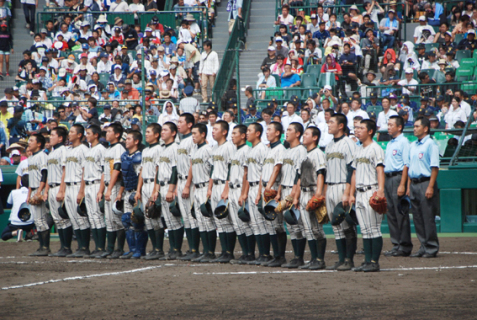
372	267
348	265
317	265
277	262
335	266
294	263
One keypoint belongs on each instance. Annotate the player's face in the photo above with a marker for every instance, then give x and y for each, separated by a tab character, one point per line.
305	116
212	118
89	136
182	125
307	138
130	142
54	139
419	129
251	134
150	137
110	136
73	135
33	144
237	137
217	132
197	138
166	133
363	132
357	129
271	132
291	134
333	126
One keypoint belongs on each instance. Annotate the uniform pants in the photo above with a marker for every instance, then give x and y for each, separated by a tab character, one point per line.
172	222
146	193
206	79
257	221
39	215
7	232
225	224
240	227
424	213
113	221
399	224
276	225
334	195
369	220
295	233
54	206
308	223
186	204
205	224
96	218
78	222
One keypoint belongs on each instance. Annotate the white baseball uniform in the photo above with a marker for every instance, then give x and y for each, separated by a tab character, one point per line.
148	165
36	163
186	146
93	170
112	156
56	161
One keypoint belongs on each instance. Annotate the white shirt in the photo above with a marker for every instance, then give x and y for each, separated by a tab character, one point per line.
22	168
209	63
104	67
231	128
404	82
325	137
121	7
288	20
17	198
428	65
89	69
360	112
264	133
286	120
453	116
418	30
383	118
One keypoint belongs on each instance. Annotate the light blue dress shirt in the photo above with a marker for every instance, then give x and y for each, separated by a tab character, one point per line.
397	154
424	154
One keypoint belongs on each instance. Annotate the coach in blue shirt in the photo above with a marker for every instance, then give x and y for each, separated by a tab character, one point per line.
423	169
396	170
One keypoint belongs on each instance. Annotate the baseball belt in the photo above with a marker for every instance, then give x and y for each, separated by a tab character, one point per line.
106	184
33	189
264	183
148	180
69	184
89	183
335	183
255	183
162	183
364	188
53	185
286	187
234	186
200	185
219	182
181	177
308	189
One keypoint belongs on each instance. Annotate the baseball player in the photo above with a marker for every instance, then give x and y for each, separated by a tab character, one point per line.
292	160
93	174
166	185
56	189
368	177
111	184
339	156
184	125
311	182
237	194
130	169
146	186
271	177
37	173
199	175
396	170
219	188
74	193
253	171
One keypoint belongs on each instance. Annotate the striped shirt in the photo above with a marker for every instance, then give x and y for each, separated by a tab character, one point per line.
166	161
36	163
237	162
365	163
339	153
186	146
254	162
274	157
56	161
148	164
314	162
201	158
94	163
75	162
112	156
291	163
221	156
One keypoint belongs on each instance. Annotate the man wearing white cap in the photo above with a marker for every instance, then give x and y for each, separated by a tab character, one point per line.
418	32
408	81
389	27
270	59
58	87
279	48
469	43
313	26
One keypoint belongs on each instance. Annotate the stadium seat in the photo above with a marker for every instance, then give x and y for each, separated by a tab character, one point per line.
327	78
429	46
278	80
314	69
458	38
467	62
462	54
430	72
308	80
288	93
464	74
104	78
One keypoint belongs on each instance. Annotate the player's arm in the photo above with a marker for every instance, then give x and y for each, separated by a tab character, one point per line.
245	187
320	182
245	175
60	196
211	183
44	177
296	193
139	187
380	172
112	182
347	191
259	194
19	179
186	190
273	177
101	189
352	189
172	185
29	195
47	188
225	193
120	193
157	186
279	192
81	190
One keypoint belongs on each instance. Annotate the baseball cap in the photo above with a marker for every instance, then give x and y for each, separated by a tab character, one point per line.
428	113
148	29
409	70
134	121
152	72
160	48
16	153
8	90
271	48
44	59
433	118
391	10
84	55
62	72
402	112
327	87
44	68
440	98
471	31
117	67
392	96
43	30
313	16
422	18
424	98
128	81
278	39
85	46
107	106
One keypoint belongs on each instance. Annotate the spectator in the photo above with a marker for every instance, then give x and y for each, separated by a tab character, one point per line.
408	81
469	43
265	81
280	49
313	54
208	68
130	36
235	10
193	61
285	18
428	90
16	126
291	116
119	6
169	113
332	66
389	27
370	49
5	116
348	62
383	119
455	114
430	62
322	34
289	79
6	47
189	104
279	66
420	33
129	93
117	77
270	59
313	26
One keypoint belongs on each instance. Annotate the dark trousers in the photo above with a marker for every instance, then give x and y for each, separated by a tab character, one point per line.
424	212
7	232
29	10
398	223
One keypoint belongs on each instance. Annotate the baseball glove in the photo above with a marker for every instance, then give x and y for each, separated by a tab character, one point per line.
36	200
322	214
269	195
284	204
315	202
380	205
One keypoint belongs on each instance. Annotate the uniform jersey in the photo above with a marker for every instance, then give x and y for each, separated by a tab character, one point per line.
254	162
22	168
237	162
167	161
112	156
75	161
148	163
274	156
365	163
36	163
201	163
308	171
183	154
221	156
291	163
56	161
94	162
339	153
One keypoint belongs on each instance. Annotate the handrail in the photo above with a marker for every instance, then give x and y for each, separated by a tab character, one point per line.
455	156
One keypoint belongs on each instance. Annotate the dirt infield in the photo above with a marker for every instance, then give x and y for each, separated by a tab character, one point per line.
119	289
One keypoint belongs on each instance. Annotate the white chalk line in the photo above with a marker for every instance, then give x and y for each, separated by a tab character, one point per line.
81	277
328	271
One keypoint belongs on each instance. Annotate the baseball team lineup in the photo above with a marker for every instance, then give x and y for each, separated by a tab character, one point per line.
237	187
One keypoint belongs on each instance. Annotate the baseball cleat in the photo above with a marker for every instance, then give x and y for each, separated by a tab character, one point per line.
127	255
317	265
346	266
116	254
361	267
266	261
371	267
208	258
104	255
277	262
294	263
400	253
